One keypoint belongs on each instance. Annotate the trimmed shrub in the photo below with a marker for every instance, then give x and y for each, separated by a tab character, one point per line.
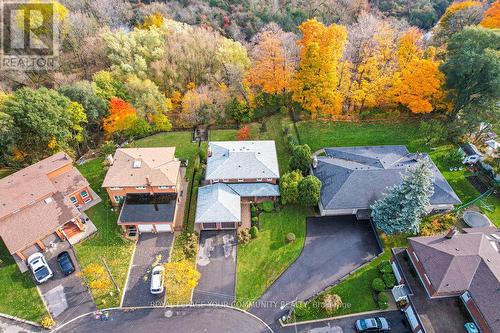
267	206
255	219
383	305
254	211
382	297
254	232
385	267
244	236
47	322
389	280
378	284
191	246
300	309
332	302
290	237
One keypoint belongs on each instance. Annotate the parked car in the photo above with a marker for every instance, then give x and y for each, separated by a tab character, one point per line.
157	280
39	267
375	324
65	263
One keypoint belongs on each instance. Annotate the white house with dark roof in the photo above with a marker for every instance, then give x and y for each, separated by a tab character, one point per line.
353	178
238	173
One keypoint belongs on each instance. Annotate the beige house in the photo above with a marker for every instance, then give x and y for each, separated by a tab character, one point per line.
147	183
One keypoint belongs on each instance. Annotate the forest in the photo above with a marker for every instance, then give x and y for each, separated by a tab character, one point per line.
130	69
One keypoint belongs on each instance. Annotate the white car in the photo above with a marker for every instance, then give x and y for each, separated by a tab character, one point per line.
157	280
39	267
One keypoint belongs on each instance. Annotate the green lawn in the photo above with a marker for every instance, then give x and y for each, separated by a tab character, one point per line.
107	244
262	261
6	172
18	294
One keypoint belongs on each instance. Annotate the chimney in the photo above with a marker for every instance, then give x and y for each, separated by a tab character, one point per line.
109	159
451	233
148	180
315	162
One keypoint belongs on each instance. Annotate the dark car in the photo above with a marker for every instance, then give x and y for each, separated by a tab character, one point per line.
65	263
376	324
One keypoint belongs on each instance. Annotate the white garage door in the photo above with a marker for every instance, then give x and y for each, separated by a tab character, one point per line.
163	227
145	227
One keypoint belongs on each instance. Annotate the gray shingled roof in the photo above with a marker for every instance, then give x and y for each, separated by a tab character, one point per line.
468	261
256	189
355	177
242	160
217	203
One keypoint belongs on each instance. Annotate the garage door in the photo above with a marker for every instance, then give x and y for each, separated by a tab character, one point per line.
145	227
163	227
228	225
209	226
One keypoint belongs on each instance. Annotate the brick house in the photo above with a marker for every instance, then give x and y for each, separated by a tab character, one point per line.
41	202
464	266
238	173
147	184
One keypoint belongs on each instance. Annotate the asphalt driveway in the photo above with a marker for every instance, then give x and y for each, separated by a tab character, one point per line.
150	250
217	264
334	247
65	296
396	318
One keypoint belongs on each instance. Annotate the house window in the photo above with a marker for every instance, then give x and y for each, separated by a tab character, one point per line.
73	200
119	198
269	179
84	194
215	180
87	200
240	180
163	187
116	188
140	187
259	179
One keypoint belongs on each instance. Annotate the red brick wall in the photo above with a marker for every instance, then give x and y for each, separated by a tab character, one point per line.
478	317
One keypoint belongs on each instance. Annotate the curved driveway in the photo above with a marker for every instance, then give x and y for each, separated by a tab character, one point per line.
177	319
334	247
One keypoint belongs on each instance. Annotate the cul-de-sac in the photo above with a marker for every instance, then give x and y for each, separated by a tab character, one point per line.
249	166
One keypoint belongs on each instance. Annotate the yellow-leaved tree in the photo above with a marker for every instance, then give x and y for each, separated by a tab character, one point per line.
418	83
181	278
315	84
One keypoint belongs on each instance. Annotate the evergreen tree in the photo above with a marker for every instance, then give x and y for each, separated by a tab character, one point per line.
404	205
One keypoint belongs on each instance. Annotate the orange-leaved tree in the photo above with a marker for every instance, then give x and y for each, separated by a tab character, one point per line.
491	17
273	61
315	84
122	116
243	133
417	84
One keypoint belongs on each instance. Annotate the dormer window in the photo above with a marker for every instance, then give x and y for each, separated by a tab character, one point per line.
140	187
137	164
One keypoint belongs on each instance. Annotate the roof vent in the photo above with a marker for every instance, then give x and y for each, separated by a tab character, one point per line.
136	164
48	200
452	233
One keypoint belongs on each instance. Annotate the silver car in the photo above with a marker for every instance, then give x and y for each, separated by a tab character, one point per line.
375	324
39	267
157	280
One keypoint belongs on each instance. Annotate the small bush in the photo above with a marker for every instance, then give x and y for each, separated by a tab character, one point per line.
107	148
332	302
47	322
267	206
382	297
300	309
383	305
389	280
385	267
378	284
436	224
290	237
254	232
191	246
244	236
254	211
255	219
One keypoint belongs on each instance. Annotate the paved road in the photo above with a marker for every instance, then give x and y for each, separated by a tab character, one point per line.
65	296
13	326
334	247
397	319
151	249
217	264
159	320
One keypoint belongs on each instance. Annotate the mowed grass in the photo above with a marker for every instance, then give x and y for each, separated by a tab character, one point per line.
18	294
262	261
107	244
